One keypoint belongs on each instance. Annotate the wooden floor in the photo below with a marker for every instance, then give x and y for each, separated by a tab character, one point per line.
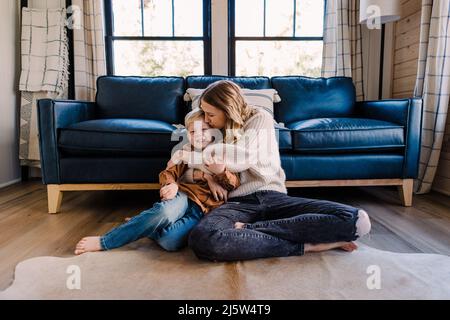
27	230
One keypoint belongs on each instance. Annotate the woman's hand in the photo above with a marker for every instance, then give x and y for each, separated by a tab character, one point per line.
215	168
218	192
168	192
215	165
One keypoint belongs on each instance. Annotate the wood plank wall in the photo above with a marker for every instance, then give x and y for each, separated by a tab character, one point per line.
406	54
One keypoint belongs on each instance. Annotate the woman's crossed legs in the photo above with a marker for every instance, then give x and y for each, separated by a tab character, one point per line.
273	224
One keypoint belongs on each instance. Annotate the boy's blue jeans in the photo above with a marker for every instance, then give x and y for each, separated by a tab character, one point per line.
167	222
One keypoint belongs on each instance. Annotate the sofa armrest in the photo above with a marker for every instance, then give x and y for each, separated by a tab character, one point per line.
405	112
395	111
413	139
52	115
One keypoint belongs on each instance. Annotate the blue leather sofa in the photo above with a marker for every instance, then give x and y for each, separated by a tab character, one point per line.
123	139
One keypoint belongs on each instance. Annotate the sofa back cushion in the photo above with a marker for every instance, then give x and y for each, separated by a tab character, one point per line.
201	82
304	98
154	98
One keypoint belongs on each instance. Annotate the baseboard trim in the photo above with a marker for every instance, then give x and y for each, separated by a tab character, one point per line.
441	191
7	184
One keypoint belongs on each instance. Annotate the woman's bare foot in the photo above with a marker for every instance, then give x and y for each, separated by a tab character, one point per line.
346	246
88	244
349	246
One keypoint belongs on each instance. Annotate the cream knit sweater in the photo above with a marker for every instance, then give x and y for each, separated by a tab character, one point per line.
255	156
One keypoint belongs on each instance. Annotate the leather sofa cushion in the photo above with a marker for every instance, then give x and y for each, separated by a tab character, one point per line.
98	169
331	135
305	98
284	138
201	82
119	137
155	98
296	167
342	166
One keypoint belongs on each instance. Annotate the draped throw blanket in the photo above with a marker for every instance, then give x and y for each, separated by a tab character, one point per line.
44	72
29	139
45	55
433	85
89	47
342	43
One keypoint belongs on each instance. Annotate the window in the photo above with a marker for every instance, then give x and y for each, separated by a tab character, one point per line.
276	37
158	37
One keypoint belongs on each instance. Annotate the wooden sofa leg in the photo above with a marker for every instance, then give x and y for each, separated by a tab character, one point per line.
55	196
406	192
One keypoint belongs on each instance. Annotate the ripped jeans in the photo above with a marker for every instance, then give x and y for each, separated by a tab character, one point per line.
276	225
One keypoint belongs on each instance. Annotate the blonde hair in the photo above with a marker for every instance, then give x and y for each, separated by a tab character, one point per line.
192	116
226	96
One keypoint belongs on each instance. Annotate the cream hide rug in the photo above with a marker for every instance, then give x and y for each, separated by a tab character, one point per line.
144	271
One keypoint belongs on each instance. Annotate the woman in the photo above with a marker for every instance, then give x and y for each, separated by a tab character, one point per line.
260	220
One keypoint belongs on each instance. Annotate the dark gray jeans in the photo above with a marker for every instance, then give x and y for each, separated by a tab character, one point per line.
277	225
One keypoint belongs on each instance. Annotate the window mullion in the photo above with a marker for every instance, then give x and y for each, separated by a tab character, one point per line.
173	18
207	36
232	37
264	26
142	18
109	33
295	17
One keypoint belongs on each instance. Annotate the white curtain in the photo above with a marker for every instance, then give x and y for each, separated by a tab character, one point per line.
433	85
342	44
89	47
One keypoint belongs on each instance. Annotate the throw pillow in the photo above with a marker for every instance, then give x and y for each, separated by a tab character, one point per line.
262	98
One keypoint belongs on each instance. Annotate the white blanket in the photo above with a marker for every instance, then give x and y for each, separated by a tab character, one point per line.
45	56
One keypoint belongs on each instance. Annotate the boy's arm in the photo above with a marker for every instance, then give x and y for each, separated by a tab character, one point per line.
172	174
188	176
228	180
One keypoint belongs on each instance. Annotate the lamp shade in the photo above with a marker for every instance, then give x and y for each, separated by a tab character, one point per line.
386	10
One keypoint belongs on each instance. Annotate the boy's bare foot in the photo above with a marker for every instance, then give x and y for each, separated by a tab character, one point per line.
127	219
88	244
346	246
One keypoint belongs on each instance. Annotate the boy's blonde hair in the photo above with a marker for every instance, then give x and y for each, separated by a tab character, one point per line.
194	115
226	96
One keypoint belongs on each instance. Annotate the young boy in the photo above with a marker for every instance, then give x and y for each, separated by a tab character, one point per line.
179	200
